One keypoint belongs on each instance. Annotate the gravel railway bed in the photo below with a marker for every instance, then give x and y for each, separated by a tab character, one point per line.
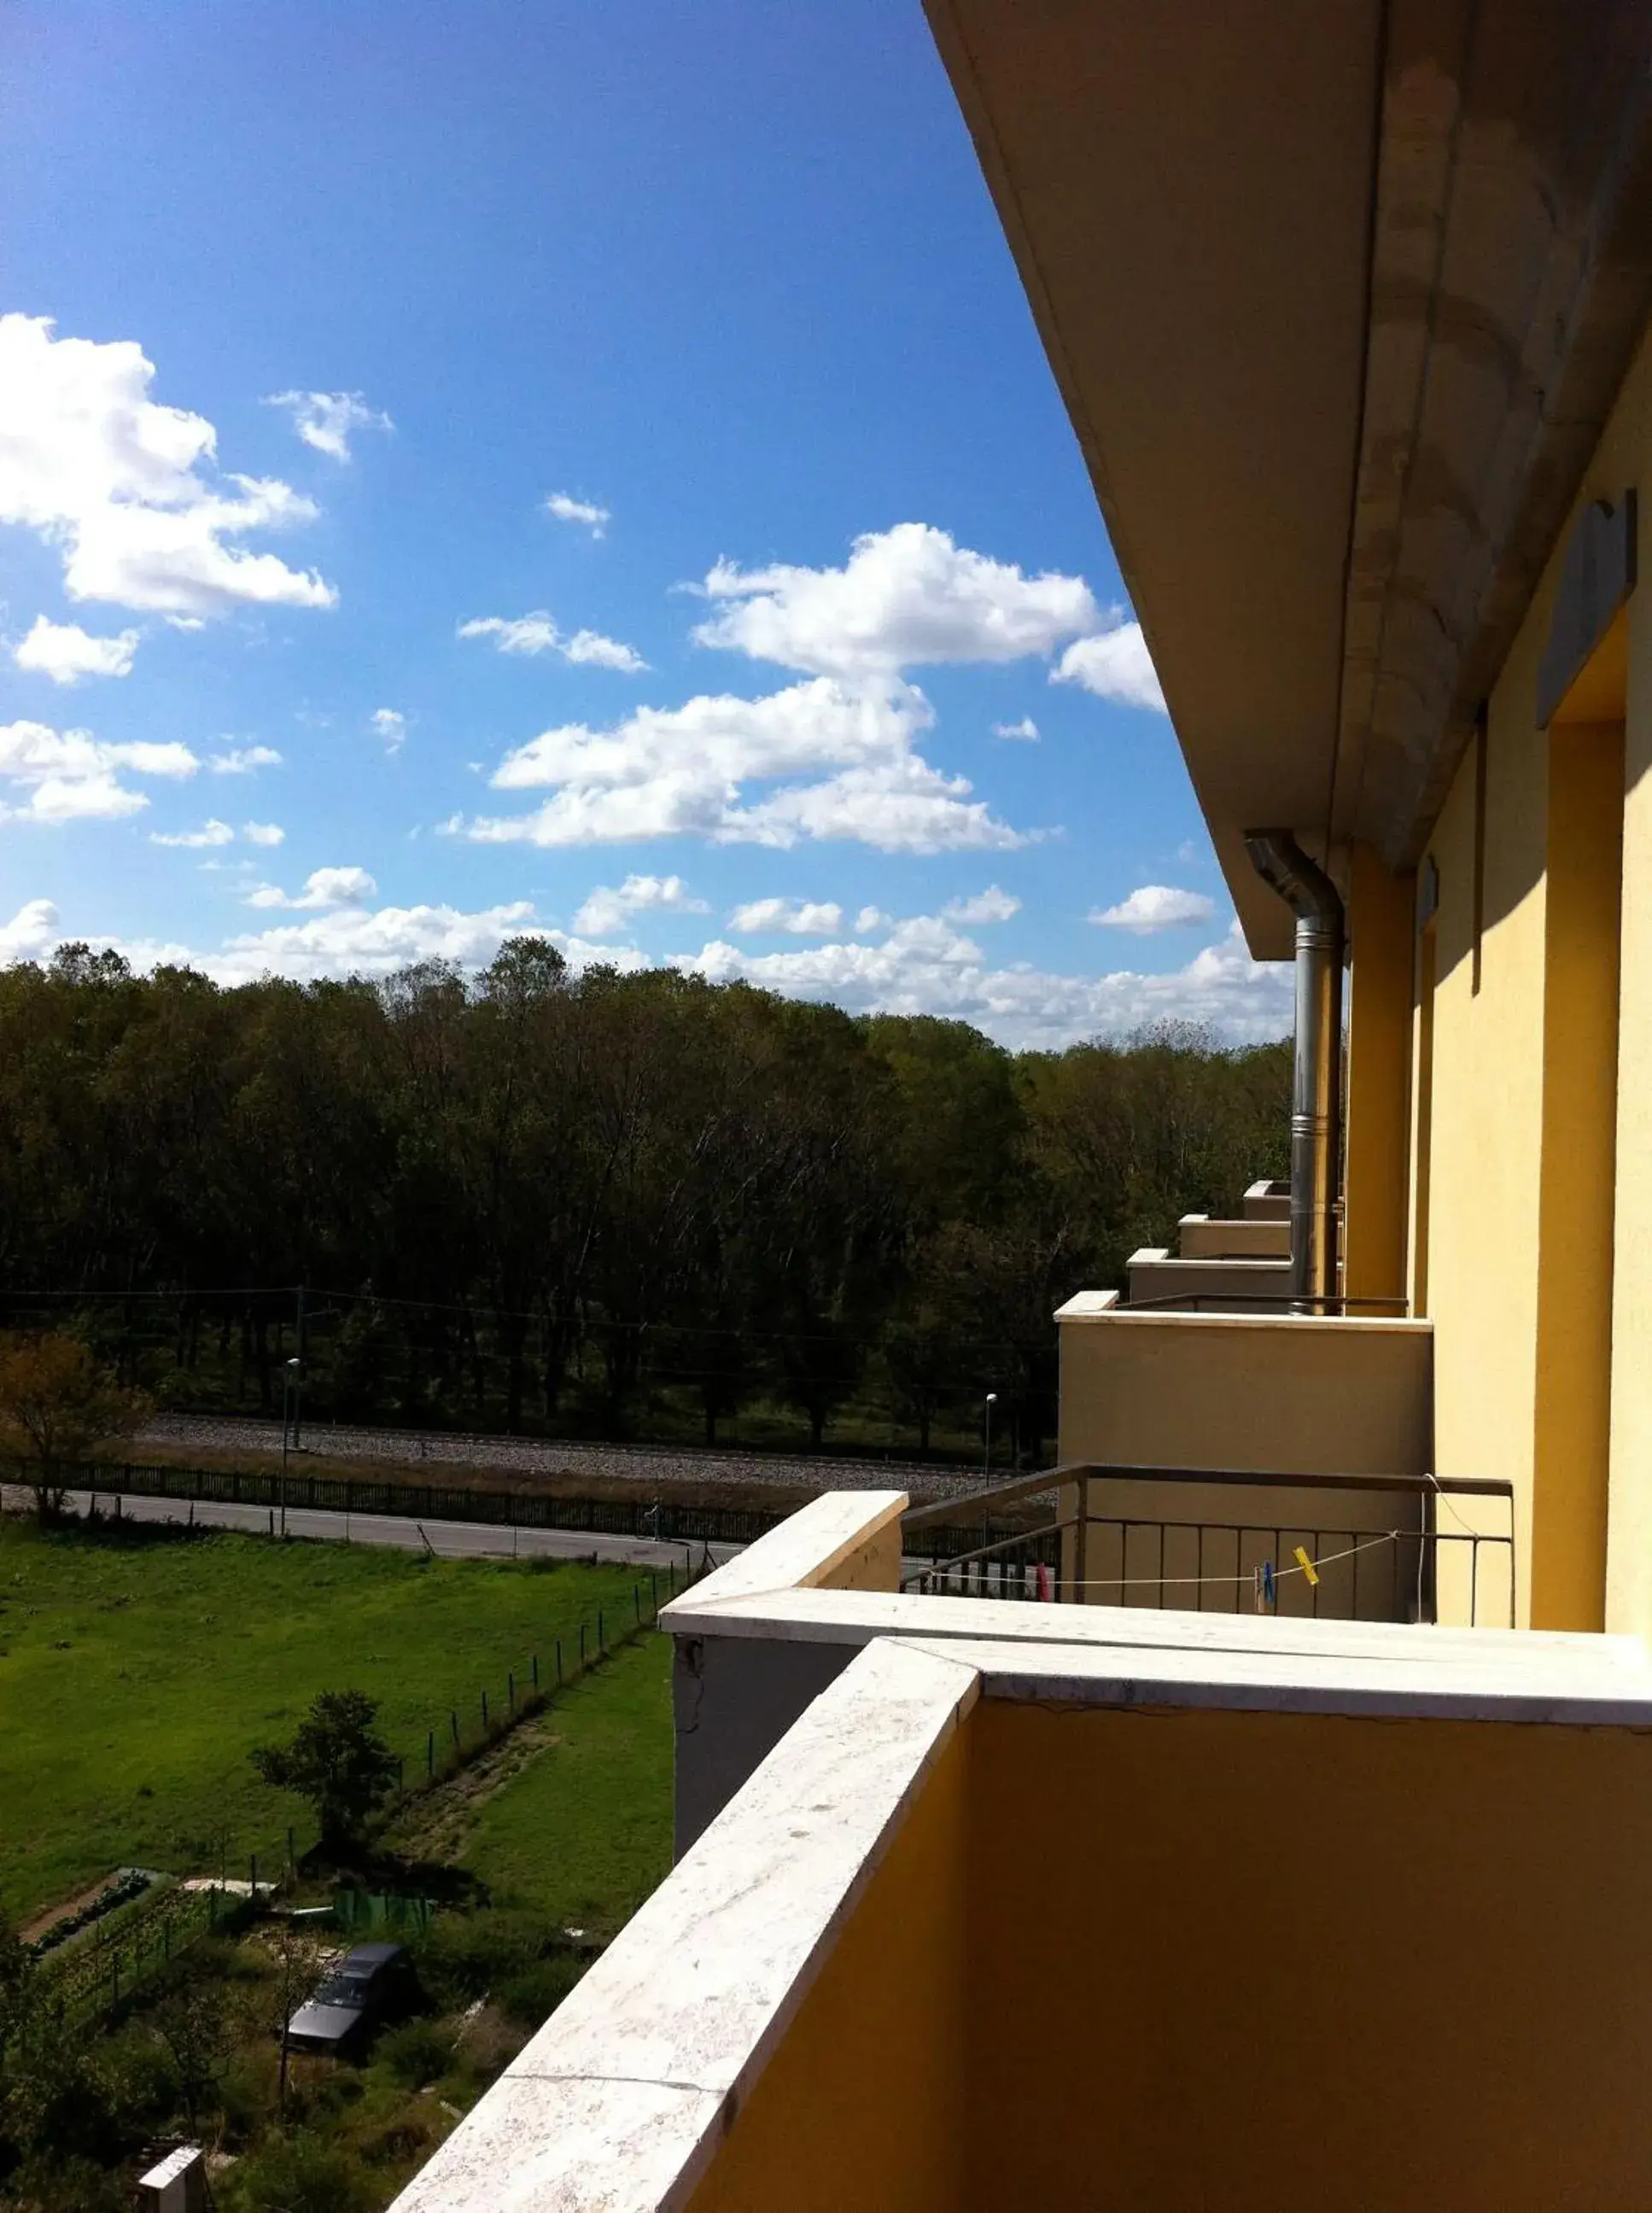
643	1465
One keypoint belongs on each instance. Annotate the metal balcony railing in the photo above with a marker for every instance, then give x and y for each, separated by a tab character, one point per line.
1311	1564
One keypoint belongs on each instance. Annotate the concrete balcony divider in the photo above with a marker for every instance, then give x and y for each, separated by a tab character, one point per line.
1202	1237
1157	1275
732	1703
1004	1922
1312	1398
1266	1202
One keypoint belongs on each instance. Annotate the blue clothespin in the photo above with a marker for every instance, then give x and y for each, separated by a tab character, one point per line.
1269	1588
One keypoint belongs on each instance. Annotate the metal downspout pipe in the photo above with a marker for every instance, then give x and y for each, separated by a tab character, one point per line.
1316	1105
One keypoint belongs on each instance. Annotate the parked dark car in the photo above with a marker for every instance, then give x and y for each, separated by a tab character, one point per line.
367	1988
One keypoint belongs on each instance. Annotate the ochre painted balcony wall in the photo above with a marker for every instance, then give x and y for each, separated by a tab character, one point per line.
1531	1234
864	2103
1206	1237
1262	1988
1380	909
1187	1958
1284	1394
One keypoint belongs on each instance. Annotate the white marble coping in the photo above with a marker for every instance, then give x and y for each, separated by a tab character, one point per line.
1448	1686
618	2104
1591	1667
1160	1256
807	1546
1103	1306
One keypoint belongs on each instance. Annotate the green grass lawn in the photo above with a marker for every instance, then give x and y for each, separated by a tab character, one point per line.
583	1831
136	1677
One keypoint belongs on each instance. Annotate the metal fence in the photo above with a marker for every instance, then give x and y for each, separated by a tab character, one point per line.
417	1502
1301	1566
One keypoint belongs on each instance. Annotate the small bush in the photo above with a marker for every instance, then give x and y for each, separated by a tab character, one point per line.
531	1997
141	2075
301	2173
67	2186
247	2095
417	2053
466	1955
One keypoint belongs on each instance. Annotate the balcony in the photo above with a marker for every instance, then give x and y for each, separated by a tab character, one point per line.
1033	1905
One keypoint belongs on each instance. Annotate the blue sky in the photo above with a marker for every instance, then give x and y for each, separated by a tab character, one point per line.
676	355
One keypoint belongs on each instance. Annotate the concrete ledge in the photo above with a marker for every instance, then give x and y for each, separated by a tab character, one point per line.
621	2100
1577	1664
845	1539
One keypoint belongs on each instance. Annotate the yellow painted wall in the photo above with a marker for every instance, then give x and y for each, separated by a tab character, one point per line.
1485	1140
1258	1961
1518	1391
1626	455
1575	1210
1280	1394
1380	912
862	2104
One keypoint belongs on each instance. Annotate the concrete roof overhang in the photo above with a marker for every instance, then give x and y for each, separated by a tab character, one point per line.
1339	297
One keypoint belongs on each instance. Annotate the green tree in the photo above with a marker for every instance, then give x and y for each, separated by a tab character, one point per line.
338	1760
56	1404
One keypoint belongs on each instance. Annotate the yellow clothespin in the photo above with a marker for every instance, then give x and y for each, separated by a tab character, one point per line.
1307	1565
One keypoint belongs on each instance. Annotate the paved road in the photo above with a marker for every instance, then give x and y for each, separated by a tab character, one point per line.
450	1539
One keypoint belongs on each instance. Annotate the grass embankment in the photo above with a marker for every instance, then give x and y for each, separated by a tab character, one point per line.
135	1675
581	1831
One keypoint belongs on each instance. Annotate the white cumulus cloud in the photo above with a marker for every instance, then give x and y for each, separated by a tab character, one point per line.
905	597
323	889
326	420
31	933
610	908
124	487
243	761
1153	907
797	917
567	508
69	775
263	833
211	832
65	652
989	906
1026	729
538	633
686	771
924	965
391	726
1113	664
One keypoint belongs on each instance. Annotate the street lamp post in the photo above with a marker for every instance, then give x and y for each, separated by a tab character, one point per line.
289	1383
986	1449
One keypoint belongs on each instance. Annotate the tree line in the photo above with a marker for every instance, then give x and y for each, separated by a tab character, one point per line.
609	1204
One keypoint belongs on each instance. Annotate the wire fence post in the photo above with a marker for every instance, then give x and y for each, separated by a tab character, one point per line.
429	1757
601	1638
558	1663
484	1713
510	1689
536	1671
453	1719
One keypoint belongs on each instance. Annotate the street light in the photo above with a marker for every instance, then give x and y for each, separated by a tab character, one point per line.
986	1450
289	1382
